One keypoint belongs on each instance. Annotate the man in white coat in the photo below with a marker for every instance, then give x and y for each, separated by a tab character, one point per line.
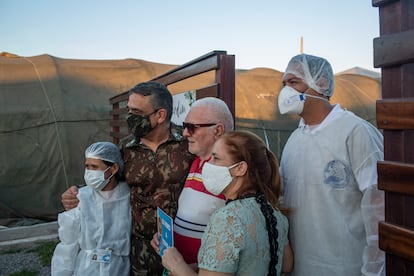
328	169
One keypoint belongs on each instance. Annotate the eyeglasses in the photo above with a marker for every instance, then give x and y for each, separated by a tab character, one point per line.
192	127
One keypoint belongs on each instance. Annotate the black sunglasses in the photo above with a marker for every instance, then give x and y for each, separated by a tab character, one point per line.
192	127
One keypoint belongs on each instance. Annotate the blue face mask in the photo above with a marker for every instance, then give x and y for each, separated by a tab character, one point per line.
96	179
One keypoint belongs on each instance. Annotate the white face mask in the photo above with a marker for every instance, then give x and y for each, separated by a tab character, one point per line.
216	178
291	101
96	179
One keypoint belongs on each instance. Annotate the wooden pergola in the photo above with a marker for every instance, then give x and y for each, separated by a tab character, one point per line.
219	63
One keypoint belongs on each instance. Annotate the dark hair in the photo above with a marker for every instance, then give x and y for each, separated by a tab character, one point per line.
160	96
119	175
272	233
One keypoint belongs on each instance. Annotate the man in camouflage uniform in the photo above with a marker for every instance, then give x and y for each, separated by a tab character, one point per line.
156	165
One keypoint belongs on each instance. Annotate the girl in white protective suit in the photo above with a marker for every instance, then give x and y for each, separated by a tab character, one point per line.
95	236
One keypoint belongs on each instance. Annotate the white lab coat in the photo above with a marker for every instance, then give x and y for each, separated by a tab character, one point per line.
329	178
100	224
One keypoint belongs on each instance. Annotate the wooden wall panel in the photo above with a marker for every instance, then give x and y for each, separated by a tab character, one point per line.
397	240
394	49
396	177
396	114
394	53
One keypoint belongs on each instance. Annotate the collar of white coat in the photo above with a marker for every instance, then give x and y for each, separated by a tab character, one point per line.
336	110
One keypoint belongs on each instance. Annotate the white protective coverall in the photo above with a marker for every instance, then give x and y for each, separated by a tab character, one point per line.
100	226
329	175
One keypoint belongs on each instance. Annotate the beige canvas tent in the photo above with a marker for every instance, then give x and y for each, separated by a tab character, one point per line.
52	108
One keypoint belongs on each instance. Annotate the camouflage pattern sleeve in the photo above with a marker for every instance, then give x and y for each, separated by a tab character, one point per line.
156	179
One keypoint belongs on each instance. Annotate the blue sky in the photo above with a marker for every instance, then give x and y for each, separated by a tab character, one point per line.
260	33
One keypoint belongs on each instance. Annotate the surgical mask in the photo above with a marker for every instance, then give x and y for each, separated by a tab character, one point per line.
96	179
140	125
291	101
216	178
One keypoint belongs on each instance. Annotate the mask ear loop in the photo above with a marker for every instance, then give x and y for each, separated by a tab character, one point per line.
233	166
313	96
109	178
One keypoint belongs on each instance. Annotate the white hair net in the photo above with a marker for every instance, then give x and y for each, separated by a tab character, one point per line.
106	151
315	71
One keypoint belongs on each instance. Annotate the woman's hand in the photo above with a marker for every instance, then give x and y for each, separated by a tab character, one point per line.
174	262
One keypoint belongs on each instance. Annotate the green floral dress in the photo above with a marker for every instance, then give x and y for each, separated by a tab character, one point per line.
236	240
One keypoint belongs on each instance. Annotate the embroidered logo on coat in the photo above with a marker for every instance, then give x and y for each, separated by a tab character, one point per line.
336	174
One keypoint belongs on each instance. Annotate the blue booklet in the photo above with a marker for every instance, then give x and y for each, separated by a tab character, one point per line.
165	230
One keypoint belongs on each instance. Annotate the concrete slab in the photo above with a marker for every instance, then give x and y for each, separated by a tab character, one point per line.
24	236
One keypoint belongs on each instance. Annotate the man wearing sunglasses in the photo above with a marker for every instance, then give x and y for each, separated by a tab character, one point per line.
207	120
157	161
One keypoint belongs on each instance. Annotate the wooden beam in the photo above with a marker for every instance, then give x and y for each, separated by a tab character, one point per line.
208	91
395	114
394	49
119	98
226	76
396	240
208	62
396	177
378	3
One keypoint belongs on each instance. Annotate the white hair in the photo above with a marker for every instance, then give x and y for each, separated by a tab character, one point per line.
217	111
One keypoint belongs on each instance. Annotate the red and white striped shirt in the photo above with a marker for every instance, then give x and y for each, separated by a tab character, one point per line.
195	206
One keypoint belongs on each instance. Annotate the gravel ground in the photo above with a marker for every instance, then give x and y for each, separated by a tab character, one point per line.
16	262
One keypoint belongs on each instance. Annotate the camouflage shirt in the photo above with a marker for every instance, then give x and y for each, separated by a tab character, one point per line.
155	179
